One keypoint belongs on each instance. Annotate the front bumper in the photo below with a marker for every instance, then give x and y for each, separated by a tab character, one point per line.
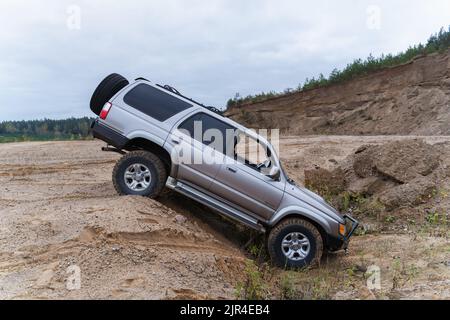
341	242
351	224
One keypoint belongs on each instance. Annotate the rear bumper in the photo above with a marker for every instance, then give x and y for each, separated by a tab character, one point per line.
110	136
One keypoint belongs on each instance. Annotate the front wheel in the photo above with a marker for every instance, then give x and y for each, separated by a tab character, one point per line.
295	243
139	173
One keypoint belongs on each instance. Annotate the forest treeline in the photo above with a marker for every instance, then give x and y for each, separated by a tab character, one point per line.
46	129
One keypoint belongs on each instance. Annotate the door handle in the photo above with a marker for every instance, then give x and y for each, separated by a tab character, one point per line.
177	140
231	169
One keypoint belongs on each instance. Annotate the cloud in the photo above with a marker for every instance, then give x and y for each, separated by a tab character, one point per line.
208	50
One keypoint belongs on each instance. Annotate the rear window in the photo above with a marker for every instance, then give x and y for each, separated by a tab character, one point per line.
154	103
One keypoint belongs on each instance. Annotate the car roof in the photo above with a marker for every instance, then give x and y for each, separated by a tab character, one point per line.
201	108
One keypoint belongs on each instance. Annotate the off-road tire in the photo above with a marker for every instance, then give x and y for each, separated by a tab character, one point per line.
152	162
106	90
286	227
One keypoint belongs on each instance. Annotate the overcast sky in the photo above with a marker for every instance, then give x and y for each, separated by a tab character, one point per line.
54	53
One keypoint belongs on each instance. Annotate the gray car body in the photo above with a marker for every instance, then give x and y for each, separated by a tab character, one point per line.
246	194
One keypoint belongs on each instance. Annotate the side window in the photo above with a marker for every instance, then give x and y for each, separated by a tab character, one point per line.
188	125
154	102
252	153
208	130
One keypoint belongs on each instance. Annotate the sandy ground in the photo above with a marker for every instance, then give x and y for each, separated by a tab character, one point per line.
59	212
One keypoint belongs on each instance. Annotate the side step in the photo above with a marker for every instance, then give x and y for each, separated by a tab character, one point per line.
208	201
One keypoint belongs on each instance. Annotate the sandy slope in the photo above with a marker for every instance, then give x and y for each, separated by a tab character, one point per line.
58	208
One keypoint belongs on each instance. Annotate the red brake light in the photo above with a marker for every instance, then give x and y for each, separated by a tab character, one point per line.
105	110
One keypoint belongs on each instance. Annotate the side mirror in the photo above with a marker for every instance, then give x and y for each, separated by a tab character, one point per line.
274	173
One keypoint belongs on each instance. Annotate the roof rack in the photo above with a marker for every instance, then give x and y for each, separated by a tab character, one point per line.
175	91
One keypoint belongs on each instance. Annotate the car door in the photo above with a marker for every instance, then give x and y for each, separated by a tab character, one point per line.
199	159
243	185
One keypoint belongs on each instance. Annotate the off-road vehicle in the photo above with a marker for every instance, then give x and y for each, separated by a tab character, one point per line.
169	140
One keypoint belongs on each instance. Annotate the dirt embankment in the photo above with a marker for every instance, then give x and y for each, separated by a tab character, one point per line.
394	175
413	98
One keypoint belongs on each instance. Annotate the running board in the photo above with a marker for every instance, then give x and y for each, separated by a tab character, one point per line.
212	203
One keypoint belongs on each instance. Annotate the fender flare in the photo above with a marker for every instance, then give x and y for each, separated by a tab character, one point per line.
161	143
321	220
147	136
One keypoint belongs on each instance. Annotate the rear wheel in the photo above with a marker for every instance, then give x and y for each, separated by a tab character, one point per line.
295	243
106	90
139	173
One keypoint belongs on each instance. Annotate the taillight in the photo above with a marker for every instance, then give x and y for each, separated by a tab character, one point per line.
105	110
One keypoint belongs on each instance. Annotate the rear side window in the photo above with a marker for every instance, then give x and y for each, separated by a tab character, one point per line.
207	123
155	103
188	125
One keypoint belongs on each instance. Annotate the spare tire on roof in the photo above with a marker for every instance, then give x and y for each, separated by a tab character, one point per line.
106	90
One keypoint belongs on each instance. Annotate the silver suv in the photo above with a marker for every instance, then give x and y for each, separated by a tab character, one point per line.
169	140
